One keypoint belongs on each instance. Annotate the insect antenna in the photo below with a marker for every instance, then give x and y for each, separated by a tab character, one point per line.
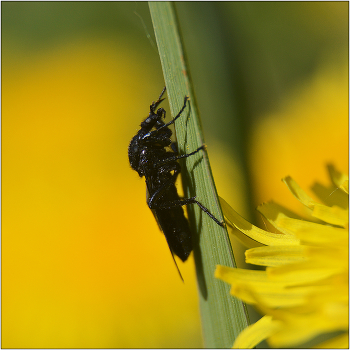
155	104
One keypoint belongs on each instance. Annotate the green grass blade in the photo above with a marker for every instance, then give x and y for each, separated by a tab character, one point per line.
223	316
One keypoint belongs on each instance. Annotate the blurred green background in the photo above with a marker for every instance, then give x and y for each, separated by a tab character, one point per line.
83	262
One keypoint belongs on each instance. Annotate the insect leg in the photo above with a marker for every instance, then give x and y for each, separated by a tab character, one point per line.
153	200
160	113
220	223
174	158
178	116
184	201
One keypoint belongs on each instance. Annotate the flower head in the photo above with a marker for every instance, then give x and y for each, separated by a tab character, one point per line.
304	290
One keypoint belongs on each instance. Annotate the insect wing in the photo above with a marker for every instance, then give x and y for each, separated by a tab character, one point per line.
176	231
152	210
172	221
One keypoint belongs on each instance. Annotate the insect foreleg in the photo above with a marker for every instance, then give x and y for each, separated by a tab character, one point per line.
172	121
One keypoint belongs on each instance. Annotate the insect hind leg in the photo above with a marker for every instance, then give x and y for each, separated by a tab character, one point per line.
184	201
220	223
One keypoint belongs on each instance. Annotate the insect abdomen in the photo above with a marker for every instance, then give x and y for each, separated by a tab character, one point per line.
176	231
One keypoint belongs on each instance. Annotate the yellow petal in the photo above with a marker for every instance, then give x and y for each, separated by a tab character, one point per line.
340	342
329	256
256	333
301	328
299	273
255	233
299	193
235	275
274	212
244	239
321	235
300	324
311	232
248	284
276	255
333	215
345	186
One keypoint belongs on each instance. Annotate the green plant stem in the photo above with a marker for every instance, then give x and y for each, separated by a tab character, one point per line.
223	316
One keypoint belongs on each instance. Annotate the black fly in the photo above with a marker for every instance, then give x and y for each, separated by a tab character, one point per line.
150	158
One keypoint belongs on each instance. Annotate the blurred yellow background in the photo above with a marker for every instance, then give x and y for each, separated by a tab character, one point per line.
83	262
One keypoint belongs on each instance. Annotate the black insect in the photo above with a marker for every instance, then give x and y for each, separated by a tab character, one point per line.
153	155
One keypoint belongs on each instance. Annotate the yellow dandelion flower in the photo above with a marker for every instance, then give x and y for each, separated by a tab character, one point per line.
303	293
